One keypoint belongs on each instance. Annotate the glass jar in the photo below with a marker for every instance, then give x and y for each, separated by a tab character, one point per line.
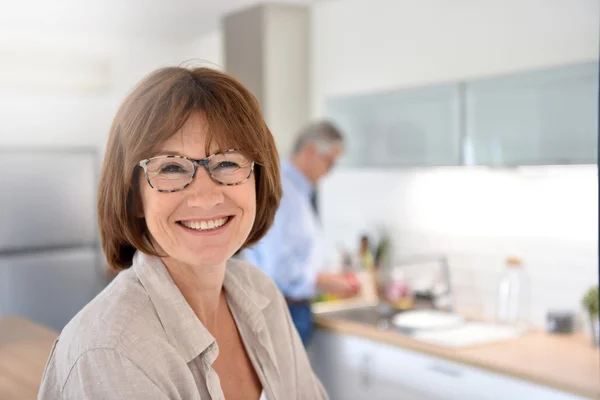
513	294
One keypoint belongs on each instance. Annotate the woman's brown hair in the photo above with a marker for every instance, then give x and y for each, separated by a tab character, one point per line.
156	109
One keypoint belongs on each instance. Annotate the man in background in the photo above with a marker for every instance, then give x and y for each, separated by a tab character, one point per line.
294	251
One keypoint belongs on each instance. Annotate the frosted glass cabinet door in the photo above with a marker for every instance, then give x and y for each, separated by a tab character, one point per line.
536	118
404	128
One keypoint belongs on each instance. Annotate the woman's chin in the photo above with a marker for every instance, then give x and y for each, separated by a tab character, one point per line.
205	254
204	257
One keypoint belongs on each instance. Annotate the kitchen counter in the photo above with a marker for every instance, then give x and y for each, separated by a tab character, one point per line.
567	363
24	350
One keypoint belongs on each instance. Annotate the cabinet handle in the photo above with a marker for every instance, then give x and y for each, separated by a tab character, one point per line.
366	370
446	370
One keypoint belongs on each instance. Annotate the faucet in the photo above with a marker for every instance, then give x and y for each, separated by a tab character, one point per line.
445	299
441	299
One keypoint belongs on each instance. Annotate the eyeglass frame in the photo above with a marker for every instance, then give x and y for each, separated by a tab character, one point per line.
201	162
331	162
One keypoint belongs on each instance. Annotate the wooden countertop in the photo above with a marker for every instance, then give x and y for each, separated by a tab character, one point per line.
567	363
24	349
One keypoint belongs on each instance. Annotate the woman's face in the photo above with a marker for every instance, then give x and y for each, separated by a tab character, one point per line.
175	220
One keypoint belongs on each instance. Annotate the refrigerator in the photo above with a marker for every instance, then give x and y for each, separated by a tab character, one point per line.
50	258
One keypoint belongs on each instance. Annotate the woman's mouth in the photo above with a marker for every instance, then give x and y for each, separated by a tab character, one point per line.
206	225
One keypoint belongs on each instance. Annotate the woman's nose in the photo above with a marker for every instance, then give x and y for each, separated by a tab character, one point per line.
203	191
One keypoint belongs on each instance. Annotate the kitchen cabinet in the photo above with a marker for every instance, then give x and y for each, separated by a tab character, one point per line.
406	128
352	368
340	373
542	117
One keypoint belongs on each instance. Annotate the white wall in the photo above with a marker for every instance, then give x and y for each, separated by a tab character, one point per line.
547	216
382	44
55	116
206	50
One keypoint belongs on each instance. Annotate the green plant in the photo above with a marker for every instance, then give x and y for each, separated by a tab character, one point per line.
382	251
590	302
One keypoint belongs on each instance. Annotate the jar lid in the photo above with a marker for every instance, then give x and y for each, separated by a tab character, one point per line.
513	262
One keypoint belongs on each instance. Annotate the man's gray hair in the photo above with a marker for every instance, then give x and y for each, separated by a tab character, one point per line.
322	134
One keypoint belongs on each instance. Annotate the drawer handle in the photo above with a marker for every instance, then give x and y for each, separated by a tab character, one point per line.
367	370
445	370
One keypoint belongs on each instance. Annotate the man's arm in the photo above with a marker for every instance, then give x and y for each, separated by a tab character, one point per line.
284	255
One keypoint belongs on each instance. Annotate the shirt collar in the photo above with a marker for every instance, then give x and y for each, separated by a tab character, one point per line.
182	327
244	300
298	179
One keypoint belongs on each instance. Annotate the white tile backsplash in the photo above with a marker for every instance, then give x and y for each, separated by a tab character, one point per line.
547	216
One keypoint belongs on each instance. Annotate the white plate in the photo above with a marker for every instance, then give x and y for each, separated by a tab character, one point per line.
469	334
426	320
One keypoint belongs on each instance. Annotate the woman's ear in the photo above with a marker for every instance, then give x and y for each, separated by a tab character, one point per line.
138	207
134	203
136	197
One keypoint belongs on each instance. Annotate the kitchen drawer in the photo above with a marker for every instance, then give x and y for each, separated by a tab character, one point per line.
350	369
353	368
454	380
336	360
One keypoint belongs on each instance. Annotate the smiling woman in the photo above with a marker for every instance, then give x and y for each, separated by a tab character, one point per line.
190	177
188	113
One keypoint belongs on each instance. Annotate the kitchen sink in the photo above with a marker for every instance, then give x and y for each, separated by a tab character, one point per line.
427	325
369	315
378	315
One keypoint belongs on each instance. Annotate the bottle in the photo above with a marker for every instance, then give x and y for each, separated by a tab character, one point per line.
512	294
365	273
398	292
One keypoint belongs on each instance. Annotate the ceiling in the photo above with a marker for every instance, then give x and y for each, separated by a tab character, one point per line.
168	20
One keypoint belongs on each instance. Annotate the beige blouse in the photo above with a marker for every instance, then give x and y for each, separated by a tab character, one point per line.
139	339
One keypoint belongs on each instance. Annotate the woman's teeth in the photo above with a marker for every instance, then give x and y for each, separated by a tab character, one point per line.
205	225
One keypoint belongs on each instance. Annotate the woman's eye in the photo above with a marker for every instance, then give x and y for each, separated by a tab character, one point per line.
227	165
171	169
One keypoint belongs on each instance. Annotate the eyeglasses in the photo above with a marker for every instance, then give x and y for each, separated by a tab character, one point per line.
329	160
174	173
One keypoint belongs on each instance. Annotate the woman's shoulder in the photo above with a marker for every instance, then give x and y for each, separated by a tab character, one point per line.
111	310
121	311
117	335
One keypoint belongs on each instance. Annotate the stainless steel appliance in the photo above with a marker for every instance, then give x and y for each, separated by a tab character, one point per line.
49	252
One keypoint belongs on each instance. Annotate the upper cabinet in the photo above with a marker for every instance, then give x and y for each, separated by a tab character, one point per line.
535	118
418	127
